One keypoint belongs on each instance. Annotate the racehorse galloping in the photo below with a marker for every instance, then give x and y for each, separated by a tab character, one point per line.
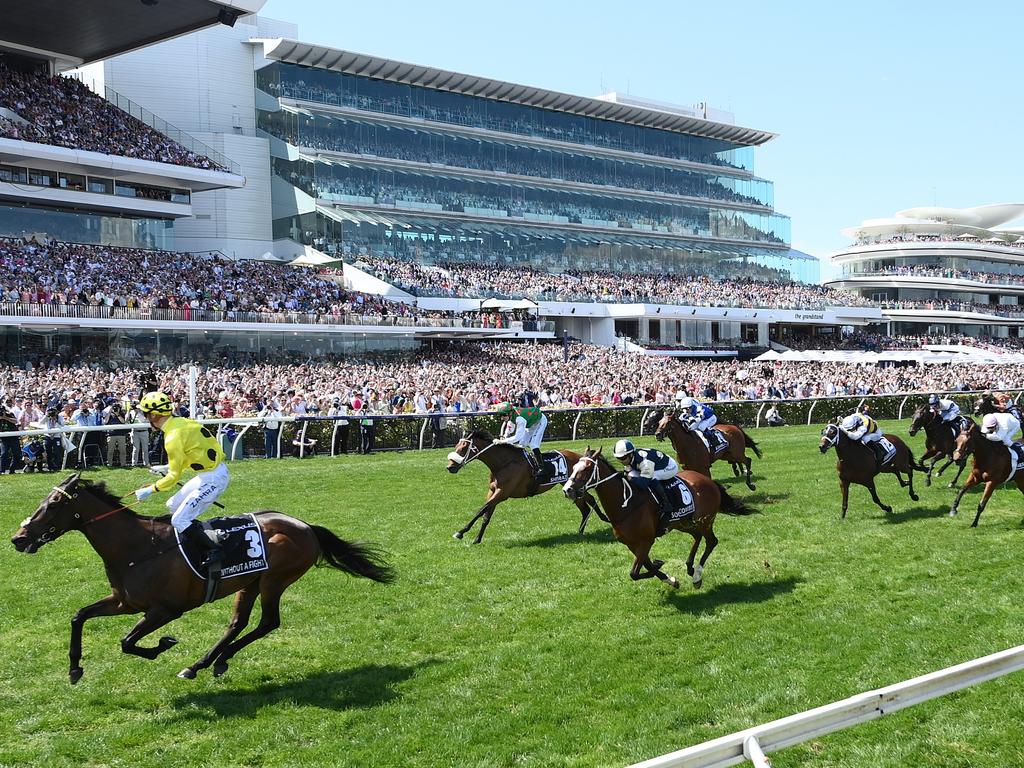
940	441
147	575
692	453
857	464
991	466
634	515
511	477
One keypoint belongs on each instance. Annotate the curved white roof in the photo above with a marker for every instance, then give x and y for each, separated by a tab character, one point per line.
984	216
982	221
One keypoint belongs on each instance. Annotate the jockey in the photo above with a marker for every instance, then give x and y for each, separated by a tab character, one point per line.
697	416
861	428
1000	427
1005	403
189	445
947	409
530	424
647	467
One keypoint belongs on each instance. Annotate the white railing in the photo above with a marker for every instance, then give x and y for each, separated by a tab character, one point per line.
755	743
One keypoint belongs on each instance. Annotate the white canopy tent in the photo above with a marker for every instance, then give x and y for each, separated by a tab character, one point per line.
507	305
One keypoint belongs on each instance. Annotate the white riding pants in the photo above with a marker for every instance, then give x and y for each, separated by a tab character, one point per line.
707	423
535	434
667	473
196	496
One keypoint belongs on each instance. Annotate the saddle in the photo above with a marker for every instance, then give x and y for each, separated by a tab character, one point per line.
958	424
681	500
716	442
1016	459
243	551
553	470
884	451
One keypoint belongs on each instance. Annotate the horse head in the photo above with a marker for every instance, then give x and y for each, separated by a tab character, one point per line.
470	445
652	421
965	441
583	474
985	404
923	416
54	517
829	437
664	423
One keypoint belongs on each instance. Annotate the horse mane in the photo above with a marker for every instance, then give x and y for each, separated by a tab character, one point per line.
98	488
483	434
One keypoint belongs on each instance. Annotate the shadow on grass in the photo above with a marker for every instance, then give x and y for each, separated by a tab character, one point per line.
916	513
762	499
728	594
360	687
598	532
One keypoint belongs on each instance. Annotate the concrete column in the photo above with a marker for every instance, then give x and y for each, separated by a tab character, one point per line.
762	334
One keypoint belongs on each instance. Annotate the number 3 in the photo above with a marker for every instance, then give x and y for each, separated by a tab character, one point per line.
255	546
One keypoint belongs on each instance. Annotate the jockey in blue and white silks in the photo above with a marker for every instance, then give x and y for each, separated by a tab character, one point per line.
947	409
697	416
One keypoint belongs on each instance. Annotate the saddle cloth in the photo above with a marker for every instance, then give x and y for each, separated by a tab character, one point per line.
721	443
556	466
957	424
681	498
244	550
1016	460
888	451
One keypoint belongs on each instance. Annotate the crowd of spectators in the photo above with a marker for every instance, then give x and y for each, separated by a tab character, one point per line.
942	271
865	341
62	111
56	273
944	238
472	281
472	377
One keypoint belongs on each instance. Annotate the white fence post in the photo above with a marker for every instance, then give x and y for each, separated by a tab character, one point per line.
575	424
899	414
757	419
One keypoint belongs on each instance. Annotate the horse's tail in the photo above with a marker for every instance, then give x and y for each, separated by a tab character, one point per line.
915	463
731	506
353	559
751	444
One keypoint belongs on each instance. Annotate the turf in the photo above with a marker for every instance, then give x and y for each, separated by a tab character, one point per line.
534	648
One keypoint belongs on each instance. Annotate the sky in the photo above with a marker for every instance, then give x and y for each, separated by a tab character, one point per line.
879	106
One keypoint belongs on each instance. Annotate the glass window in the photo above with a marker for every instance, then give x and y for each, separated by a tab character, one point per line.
42	178
13	175
71	181
101	186
86	227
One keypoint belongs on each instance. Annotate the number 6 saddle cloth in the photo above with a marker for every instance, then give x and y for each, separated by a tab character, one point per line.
241	539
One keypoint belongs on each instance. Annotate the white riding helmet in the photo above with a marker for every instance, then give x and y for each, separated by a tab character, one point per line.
850	422
622	449
990	423
686	402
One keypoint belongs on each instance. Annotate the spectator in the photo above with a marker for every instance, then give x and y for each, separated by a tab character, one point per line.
773	417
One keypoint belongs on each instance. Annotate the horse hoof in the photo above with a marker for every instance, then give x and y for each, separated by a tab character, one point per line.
187	674
698	584
914	497
457	535
927	481
951	485
220	668
888	510
751	486
167	642
657	564
75	674
952	513
673	582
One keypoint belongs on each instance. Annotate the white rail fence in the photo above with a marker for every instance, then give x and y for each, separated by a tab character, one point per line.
754	744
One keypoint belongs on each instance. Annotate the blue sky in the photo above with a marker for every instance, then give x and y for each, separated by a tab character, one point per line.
879	106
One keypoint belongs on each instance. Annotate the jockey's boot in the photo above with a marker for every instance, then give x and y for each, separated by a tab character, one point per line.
206	540
666	506
879	451
709	436
540	467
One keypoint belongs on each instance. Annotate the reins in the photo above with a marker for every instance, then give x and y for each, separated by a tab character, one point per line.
72	497
477	452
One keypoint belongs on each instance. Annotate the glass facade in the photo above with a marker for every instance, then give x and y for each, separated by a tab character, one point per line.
323	132
89	227
931	263
20	345
335	88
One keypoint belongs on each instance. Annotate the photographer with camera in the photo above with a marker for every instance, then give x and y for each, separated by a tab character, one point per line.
117	439
10	447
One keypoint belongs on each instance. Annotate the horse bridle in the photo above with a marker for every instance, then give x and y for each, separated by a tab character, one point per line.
472	452
589	484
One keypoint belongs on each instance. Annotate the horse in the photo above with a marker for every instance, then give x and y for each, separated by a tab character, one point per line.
147	575
634	516
940	441
694	454
991	467
857	464
511	478
987	403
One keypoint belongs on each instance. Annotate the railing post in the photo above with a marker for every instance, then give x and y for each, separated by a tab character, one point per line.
423	429
860	404
237	440
280	431
757	420
334	435
899	413
753	752
302	440
643	420
811	411
576	423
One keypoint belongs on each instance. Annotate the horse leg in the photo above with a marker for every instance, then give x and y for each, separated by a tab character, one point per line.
750	481
910	482
962	465
990	486
931	467
245	599
270	619
710	542
844	486
155	617
874	497
735	468
972	480
487	517
654	569
693	554
583	505
108	606
480	513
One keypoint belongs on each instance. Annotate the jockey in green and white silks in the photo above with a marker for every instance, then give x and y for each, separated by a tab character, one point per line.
530	424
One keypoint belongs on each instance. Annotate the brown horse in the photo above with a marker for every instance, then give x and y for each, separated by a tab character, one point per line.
511	478
857	464
939	441
692	453
635	515
991	467
148	575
